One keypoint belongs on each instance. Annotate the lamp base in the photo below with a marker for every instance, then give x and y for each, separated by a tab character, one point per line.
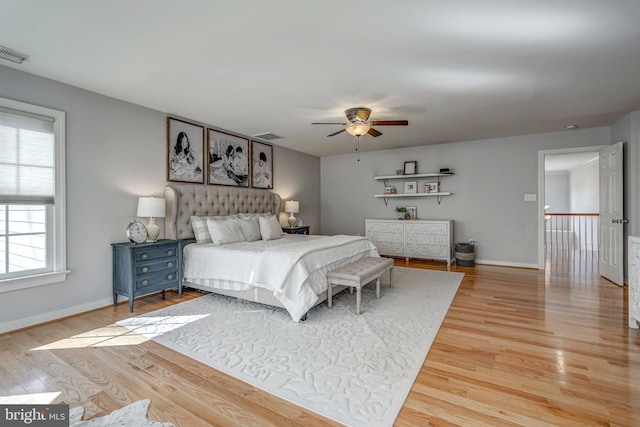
153	230
292	221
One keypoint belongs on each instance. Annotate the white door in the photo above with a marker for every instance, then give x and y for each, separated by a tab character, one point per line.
611	221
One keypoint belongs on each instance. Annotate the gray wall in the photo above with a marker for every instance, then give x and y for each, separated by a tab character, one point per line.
491	178
116	151
556	192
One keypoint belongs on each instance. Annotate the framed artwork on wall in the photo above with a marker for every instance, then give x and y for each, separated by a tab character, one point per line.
262	163
228	159
185	145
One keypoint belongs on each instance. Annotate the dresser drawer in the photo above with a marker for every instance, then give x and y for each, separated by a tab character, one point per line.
157	279
155	265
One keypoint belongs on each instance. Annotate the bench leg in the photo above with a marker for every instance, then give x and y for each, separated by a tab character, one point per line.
358	299
329	296
378	287
391	277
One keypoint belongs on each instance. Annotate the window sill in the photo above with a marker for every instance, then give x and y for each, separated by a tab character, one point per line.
26	282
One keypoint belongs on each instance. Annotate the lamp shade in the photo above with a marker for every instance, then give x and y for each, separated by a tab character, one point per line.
151	207
358	129
292	206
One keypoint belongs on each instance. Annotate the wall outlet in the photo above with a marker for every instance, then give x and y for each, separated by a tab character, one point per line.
529	197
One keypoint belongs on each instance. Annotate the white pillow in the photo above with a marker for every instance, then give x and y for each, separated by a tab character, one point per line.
200	230
225	231
250	229
270	228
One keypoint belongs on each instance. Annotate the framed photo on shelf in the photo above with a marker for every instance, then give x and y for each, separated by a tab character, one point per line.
390	189
411	187
430	187
262	162
410	168
228	159
185	151
413	211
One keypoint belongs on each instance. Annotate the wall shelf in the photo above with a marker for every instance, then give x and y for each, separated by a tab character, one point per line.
415	176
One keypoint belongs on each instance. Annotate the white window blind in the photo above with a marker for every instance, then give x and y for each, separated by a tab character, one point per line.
27	158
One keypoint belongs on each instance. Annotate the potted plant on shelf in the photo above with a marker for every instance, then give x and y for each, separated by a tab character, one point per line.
401	211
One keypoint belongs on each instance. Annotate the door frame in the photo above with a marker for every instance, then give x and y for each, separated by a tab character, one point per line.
541	195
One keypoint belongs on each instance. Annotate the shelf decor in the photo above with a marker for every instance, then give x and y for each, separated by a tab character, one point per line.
411	167
411	187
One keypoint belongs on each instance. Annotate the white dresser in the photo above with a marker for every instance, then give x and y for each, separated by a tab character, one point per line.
634	281
412	238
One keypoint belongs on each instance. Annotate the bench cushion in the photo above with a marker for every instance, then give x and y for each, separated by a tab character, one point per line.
361	269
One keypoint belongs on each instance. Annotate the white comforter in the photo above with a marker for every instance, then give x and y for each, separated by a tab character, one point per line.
281	265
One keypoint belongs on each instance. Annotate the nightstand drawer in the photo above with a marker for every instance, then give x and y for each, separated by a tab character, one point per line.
157	279
150	267
147	254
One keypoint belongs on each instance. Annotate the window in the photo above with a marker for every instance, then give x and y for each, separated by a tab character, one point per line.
32	196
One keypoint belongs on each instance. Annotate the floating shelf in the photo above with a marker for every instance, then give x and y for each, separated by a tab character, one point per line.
386	178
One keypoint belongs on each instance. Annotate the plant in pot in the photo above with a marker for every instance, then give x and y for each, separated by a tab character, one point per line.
401	211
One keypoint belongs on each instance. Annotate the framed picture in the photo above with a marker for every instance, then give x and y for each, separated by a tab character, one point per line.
390	189
411	167
228	159
410	187
413	211
430	187
262	163
185	148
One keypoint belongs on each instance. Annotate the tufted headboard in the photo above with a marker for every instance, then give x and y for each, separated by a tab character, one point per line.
185	200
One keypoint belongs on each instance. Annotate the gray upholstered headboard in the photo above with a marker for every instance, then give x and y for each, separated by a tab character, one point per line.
185	200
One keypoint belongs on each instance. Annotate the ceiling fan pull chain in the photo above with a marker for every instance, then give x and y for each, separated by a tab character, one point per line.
358	146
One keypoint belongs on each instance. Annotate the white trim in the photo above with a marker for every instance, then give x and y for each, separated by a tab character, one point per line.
506	264
541	194
33	281
53	315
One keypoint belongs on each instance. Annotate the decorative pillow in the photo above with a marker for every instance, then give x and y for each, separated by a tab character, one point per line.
250	229
270	228
254	215
225	231
200	230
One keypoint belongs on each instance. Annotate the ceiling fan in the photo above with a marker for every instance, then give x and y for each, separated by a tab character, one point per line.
358	124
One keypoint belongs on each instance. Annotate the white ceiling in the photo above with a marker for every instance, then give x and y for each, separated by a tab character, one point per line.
457	70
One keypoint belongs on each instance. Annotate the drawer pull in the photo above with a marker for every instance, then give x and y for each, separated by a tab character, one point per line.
145	282
144	256
169	252
145	269
169	264
170	276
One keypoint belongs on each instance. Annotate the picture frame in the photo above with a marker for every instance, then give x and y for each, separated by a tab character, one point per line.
228	159
390	189
411	187
262	165
413	211
185	151
410	167
430	187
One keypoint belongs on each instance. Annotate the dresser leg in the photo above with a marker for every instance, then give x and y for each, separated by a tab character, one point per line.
130	304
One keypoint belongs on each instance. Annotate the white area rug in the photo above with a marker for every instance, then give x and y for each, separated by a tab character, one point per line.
134	415
356	370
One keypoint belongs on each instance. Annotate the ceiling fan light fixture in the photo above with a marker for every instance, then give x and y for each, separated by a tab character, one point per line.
358	129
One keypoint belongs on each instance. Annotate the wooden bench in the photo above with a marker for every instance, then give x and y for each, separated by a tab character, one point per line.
359	273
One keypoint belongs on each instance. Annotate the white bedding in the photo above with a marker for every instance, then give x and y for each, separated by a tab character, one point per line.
283	266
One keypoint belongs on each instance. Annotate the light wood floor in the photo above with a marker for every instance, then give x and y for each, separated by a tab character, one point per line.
518	347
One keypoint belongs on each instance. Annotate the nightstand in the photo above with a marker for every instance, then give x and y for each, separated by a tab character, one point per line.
145	268
302	229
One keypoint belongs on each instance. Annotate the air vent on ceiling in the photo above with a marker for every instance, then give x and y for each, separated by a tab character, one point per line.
12	55
267	136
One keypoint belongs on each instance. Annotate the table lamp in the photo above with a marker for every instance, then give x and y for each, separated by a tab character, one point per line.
291	207
152	208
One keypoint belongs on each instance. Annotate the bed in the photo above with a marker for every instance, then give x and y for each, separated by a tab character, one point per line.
288	271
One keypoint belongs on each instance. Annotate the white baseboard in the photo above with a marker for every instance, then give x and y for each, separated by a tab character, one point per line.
53	315
506	263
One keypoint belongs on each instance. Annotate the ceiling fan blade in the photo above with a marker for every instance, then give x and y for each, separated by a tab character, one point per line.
374	132
325	123
335	133
389	123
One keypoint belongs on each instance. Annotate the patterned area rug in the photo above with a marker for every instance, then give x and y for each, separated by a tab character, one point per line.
134	415
356	370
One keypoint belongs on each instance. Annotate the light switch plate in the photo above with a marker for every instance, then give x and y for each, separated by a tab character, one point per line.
529	197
